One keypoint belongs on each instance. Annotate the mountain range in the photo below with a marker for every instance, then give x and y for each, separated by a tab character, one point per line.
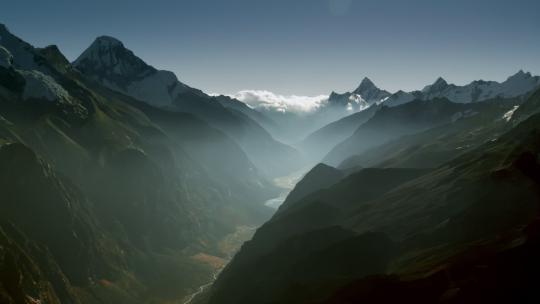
453	227
121	184
303	128
109	63
368	93
479	90
339	140
106	198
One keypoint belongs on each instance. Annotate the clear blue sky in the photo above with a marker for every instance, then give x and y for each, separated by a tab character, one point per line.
306	47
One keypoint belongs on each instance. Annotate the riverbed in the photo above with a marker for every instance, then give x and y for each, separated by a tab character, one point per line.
230	244
287	183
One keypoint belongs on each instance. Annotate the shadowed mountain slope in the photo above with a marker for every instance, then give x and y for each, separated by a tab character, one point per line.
107	199
111	64
423	233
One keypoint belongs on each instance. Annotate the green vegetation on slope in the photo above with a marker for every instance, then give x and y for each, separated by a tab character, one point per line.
464	232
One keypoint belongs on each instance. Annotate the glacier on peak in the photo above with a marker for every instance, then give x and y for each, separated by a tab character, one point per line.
516	85
108	61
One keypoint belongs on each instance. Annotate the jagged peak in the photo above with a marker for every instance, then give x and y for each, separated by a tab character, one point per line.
55	57
520	75
440	81
438	85
335	94
322	167
52	48
109	55
108	41
100	46
54	51
366	84
366	81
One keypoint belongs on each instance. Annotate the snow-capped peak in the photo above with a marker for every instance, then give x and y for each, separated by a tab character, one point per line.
437	86
366	95
108	61
398	98
440	81
107	55
516	85
108	41
369	92
520	75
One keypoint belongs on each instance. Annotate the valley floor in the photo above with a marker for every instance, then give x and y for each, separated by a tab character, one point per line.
229	245
287	183
234	241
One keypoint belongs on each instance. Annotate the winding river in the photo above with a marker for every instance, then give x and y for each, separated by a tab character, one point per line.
202	288
233	241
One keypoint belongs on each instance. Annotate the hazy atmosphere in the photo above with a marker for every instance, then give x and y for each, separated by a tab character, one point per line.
269	152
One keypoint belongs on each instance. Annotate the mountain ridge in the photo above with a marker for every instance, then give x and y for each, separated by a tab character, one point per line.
138	190
429	230
110	63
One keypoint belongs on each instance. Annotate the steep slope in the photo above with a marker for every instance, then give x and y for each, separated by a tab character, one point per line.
431	148
305	236
255	115
367	94
111	64
319	177
525	110
454	234
125	197
393	122
42	264
320	142
515	89
401	97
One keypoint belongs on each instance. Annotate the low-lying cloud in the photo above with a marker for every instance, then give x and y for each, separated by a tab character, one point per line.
261	99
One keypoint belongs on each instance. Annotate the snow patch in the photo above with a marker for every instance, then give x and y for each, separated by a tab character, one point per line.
41	86
508	115
160	88
516	85
361	103
398	98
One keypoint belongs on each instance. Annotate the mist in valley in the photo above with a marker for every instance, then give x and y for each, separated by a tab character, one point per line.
303	162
